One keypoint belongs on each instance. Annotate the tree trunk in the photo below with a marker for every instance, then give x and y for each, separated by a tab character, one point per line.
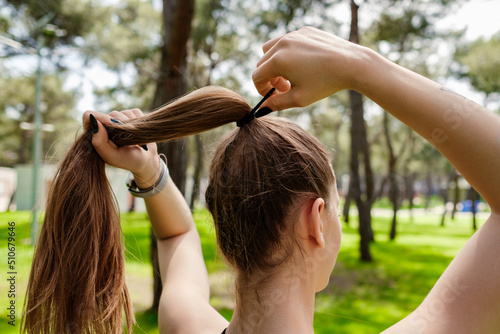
395	205
428	193
446	196
409	177
393	186
381	189
197	171
347	203
456	194
359	147
363	205
409	181
474	196
177	17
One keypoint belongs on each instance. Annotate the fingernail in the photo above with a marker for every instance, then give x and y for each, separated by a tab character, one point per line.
116	121
93	124
145	147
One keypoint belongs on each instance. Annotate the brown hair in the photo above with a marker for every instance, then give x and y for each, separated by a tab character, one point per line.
260	176
77	280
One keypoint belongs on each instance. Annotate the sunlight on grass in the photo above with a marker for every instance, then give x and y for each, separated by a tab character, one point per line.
361	297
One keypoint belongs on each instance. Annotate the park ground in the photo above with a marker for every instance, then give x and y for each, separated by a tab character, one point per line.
361	297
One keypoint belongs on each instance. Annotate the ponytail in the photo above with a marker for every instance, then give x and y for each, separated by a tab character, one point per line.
77	280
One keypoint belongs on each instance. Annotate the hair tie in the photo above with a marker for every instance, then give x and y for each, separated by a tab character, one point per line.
256	113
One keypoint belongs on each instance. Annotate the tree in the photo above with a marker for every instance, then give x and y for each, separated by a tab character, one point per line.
17	106
43	27
410	31
126	40
360	149
170	83
210	46
481	65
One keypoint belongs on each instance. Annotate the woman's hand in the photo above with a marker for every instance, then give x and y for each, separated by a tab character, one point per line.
307	65
143	164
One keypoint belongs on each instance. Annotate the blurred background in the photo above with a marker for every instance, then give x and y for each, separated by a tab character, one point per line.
59	58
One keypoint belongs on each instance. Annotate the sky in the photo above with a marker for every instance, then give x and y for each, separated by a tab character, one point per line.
482	18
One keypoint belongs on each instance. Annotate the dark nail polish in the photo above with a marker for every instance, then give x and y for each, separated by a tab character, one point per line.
116	121
145	147
93	124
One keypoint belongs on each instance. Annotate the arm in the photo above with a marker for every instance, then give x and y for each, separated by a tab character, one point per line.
184	304
318	64
466	299
466	133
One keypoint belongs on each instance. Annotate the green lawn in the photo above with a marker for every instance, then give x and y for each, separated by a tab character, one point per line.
361	297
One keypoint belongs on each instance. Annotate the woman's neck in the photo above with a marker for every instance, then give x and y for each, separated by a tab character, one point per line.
284	304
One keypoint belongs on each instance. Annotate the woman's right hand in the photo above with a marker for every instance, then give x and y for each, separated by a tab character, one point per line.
143	164
307	65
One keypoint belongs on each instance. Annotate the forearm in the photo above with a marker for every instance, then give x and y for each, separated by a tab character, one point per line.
466	133
168	211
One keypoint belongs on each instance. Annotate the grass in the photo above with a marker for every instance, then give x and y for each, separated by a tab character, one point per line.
361	297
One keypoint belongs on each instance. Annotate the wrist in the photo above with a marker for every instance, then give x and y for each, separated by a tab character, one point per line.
149	174
153	190
371	69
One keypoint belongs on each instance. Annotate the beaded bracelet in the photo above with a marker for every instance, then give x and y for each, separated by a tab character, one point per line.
154	189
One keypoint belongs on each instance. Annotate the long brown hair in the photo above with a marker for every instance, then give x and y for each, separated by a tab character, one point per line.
77	280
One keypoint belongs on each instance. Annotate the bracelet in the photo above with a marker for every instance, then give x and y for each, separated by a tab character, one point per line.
154	189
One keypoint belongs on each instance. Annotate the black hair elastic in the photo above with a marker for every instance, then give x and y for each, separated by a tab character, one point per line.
256	113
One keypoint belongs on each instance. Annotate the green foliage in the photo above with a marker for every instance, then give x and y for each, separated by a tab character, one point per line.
37	9
361	298
17	106
30	18
405	32
482	64
126	32
396	30
43	26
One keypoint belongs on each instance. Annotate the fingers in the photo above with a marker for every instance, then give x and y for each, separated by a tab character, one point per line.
137	112
281	84
119	116
283	101
131	157
101	141
126	115
269	44
268	51
103	118
263	76
131	113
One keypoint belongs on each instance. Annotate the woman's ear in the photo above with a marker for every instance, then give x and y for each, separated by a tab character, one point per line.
311	223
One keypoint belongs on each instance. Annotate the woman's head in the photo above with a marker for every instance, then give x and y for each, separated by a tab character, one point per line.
261	175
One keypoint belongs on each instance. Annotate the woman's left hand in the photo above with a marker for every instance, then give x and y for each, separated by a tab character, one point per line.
143	164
